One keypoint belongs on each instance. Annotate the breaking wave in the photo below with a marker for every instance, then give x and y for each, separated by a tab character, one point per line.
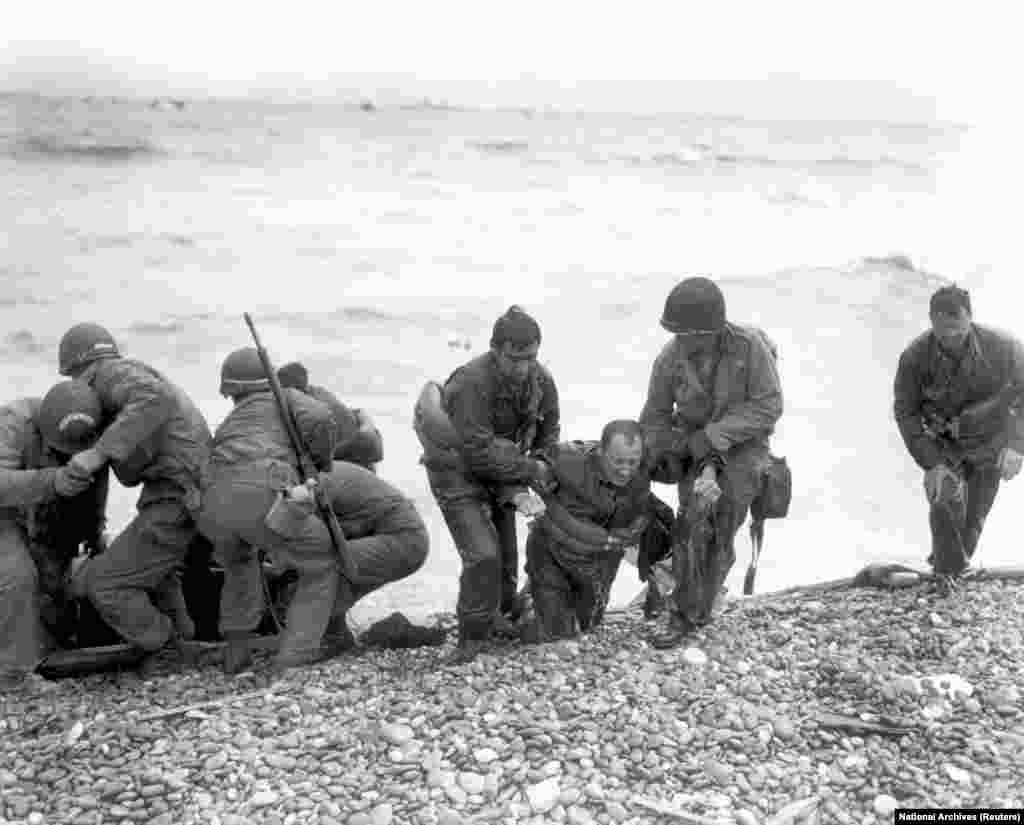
156	327
88	148
22	342
500	146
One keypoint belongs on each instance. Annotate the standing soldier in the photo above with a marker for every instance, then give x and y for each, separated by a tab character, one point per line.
157	438
479	433
715	391
956	389
47	509
252	502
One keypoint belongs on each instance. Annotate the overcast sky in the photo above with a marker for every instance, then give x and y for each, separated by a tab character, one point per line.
893	59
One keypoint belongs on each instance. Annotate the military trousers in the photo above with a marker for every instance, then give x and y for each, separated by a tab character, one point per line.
20	629
958	514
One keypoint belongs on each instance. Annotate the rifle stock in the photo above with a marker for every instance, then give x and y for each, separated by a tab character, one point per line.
307	468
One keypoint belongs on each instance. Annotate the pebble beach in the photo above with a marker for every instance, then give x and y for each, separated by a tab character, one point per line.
749	723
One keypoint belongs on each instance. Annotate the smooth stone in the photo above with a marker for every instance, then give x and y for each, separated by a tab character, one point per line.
543	796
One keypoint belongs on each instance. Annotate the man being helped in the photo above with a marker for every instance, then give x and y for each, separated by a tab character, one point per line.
358	440
598	503
956	389
494	413
715	391
157	438
46	510
253	500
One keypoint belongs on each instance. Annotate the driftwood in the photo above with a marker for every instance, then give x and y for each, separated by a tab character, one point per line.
209	704
674	813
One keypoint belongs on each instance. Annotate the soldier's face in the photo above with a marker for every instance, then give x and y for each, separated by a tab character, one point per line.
698	343
622	459
950	329
514	363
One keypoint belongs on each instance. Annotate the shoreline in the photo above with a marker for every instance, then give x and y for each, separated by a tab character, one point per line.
599	730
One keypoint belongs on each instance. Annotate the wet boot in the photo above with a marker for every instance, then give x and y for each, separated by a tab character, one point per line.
237	654
472	641
673	635
338	637
654	602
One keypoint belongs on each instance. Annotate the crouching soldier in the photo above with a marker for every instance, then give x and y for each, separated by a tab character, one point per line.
358	440
157	438
598	503
956	391
480	434
249	503
715	391
385	538
47	509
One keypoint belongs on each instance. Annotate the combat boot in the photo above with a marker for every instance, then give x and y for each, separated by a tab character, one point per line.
465	651
237	654
673	635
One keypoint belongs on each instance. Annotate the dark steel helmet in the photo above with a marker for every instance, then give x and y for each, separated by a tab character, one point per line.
70	417
242	372
83	344
694	305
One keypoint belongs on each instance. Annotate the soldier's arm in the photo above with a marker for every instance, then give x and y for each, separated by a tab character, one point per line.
907	400
550	426
756	416
142	403
1015	422
315	424
19	486
360	442
101	484
492	458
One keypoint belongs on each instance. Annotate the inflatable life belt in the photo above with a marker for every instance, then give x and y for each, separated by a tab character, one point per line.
566	528
430	421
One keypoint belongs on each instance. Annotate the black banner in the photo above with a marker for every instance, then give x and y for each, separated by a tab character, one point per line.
910	816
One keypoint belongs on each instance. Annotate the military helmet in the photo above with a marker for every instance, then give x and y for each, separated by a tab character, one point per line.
242	372
70	417
83	344
694	305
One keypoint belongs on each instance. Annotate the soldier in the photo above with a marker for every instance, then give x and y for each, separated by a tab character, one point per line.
956	391
597	504
386	541
47	509
157	438
253	499
481	433
715	392
359	441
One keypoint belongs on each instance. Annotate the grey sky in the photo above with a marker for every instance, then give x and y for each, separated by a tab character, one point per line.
904	60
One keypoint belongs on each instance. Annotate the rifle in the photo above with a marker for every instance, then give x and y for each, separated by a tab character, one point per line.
307	470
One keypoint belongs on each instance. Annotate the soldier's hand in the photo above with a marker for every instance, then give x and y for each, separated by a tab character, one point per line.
941	482
67	482
1010	462
87	462
542	478
706	490
529	505
303	493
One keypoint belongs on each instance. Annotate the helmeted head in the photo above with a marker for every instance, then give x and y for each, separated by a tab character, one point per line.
294	375
70	417
242	373
83	344
622	451
515	342
695	306
950	312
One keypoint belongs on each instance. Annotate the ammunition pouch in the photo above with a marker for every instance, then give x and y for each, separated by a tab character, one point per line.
775	492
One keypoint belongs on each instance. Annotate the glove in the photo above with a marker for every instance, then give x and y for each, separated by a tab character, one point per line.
1009	463
529	505
699	446
940	482
68	482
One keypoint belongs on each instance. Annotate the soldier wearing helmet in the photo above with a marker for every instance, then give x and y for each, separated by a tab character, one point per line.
47	509
712	403
157	438
249	503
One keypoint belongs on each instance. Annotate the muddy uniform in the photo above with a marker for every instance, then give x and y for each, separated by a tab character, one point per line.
498	423
39	534
734	397
571	574
356	443
156	438
932	388
252	463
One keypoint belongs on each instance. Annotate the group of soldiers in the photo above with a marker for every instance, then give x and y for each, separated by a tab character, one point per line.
491	449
